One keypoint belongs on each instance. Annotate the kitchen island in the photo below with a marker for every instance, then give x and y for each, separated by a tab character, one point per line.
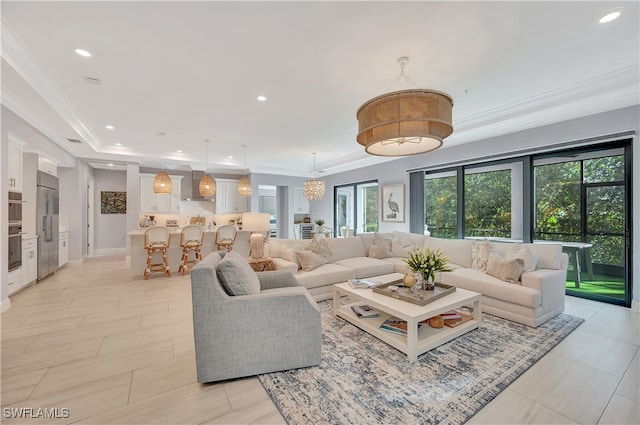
138	253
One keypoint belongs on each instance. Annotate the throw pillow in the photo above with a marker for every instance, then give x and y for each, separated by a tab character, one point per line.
480	254
398	250
529	259
309	260
236	276
321	247
507	269
380	248
289	254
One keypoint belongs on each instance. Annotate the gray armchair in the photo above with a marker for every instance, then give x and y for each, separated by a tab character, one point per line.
235	336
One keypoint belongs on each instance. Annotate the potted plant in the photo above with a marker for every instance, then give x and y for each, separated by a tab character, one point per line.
424	263
319	222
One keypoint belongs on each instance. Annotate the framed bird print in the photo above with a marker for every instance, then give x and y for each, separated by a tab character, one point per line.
393	203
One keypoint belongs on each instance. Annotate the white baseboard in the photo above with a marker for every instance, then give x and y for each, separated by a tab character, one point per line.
635	306
109	251
5	305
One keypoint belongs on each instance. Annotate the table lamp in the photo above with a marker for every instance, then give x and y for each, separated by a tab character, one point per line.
258	224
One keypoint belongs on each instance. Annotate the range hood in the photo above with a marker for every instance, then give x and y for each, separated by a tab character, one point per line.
191	190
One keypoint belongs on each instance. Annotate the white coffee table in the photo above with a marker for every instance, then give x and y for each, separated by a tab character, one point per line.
415	342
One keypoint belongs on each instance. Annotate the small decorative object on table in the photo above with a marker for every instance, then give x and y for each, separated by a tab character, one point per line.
424	263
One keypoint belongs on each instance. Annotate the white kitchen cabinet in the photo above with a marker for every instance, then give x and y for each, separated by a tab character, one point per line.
227	199
159	203
29	260
14	166
300	203
63	249
15	281
47	166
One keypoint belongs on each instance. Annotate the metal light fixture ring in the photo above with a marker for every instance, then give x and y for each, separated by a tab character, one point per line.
405	122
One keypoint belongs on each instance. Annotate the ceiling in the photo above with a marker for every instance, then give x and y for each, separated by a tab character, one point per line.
193	70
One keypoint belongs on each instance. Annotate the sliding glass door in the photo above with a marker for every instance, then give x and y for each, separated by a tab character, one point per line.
582	202
356	208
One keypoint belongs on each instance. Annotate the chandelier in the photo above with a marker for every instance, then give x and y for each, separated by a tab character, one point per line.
162	181
405	122
314	189
207	186
244	185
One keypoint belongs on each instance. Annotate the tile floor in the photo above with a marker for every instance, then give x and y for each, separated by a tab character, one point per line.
112	349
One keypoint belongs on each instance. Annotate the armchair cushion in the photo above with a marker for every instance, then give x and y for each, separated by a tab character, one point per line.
236	276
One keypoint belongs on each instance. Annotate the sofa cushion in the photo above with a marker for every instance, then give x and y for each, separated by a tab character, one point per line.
289	254
402	243
367	267
321	247
367	239
380	248
549	255
342	248
309	260
236	276
522	252
327	274
480	254
478	281
507	269
457	250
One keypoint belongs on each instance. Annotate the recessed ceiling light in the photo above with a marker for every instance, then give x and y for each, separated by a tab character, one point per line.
179	151
261	99
83	53
609	17
109	127
230	157
118	144
110	165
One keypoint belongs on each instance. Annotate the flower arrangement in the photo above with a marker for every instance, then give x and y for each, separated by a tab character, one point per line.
320	222
426	262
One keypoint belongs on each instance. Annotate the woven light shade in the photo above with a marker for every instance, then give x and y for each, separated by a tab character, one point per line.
405	122
313	190
244	187
162	183
207	186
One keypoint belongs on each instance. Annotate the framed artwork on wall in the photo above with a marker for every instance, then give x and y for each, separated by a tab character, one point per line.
393	203
113	202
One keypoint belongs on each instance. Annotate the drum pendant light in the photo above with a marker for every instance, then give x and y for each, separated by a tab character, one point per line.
405	122
162	181
207	186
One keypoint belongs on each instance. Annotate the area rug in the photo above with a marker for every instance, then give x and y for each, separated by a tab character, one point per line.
362	380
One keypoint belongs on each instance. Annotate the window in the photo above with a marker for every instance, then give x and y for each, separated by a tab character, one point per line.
487	202
441	204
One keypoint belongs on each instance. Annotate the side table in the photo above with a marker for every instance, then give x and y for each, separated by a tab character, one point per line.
264	264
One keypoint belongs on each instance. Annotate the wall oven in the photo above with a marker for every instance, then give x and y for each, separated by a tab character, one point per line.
15	246
15	207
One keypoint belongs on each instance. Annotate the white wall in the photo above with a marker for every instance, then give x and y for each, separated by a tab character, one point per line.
110	229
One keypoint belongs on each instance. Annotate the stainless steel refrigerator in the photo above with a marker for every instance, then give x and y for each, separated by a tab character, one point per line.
47	210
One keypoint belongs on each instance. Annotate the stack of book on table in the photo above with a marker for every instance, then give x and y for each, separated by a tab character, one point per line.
364	310
398	326
454	318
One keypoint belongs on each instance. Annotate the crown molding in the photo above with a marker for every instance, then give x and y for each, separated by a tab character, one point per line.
20	58
563	99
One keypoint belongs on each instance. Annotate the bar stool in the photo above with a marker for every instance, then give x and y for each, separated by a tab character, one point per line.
156	239
190	240
226	237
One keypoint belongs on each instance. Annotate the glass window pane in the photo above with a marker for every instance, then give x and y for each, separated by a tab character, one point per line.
607	169
440	206
487	205
557	201
605	209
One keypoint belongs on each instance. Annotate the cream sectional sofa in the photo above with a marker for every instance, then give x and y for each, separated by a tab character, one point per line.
536	298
